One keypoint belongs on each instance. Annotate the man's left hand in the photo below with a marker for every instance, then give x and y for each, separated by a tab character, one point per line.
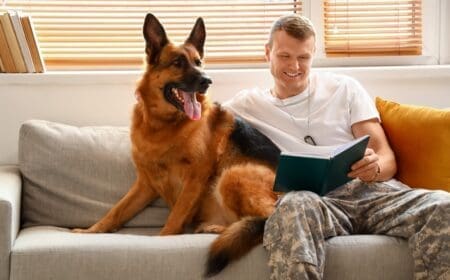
368	168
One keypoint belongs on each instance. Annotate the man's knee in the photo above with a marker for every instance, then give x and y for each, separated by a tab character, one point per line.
300	199
439	200
443	210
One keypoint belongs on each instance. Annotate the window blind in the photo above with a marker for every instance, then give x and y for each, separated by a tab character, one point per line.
108	34
374	27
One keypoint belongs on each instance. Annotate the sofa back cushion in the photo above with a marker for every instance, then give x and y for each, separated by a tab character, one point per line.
420	139
73	175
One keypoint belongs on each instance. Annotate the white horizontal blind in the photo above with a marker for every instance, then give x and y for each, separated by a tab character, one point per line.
374	27
108	34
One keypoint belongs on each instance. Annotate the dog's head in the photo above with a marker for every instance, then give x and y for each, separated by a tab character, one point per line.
174	73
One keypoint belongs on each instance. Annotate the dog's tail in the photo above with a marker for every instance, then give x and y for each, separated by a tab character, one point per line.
236	241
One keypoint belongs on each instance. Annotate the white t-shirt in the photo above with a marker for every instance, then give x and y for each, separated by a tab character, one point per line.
331	104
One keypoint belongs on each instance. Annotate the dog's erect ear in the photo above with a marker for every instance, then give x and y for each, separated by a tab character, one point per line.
197	36
155	37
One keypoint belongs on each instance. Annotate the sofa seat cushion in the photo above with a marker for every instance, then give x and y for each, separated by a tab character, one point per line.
368	257
73	175
45	252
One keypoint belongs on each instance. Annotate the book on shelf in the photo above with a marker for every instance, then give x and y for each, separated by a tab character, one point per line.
19	48
20	35
13	43
31	38
319	173
5	53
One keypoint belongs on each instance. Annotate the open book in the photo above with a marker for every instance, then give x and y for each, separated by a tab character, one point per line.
319	174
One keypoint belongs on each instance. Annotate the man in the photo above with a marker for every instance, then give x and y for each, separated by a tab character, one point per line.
304	111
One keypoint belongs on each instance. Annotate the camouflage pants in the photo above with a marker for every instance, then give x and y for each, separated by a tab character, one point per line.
295	234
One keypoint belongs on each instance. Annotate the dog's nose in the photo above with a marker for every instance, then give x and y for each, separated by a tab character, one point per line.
206	81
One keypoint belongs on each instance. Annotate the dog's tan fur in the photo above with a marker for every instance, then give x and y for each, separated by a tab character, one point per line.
201	173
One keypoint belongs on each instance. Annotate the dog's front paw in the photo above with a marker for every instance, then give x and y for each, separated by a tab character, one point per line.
82	230
165	231
92	229
170	231
210	229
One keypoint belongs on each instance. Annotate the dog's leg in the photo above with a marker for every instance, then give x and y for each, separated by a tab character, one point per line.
210	228
210	216
184	208
246	190
137	198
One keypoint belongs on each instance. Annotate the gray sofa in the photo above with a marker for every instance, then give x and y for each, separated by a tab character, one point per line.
70	176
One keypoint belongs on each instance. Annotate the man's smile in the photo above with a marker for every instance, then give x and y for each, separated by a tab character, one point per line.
292	75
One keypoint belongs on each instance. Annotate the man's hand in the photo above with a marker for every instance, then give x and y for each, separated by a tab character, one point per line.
368	168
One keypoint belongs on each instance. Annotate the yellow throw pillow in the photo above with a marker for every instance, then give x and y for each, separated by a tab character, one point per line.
420	138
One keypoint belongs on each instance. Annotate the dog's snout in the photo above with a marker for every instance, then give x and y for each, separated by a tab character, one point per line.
205	81
197	81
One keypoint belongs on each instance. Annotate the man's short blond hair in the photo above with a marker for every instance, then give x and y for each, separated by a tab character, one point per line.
295	25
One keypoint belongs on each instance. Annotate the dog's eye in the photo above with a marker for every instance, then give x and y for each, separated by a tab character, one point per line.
198	62
179	62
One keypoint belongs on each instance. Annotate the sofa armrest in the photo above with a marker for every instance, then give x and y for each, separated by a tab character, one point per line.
10	191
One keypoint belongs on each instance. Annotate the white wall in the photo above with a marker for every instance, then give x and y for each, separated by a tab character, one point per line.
106	98
444	32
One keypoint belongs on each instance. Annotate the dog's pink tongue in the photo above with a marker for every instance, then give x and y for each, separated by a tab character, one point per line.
192	107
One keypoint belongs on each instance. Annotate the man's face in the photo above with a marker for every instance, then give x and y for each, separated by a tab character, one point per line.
290	62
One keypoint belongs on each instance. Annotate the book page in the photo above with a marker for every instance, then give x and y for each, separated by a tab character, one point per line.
344	147
308	150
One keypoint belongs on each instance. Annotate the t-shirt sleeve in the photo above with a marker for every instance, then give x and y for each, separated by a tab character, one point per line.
230	104
362	106
237	104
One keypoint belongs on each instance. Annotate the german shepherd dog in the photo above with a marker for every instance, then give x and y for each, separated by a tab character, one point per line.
214	171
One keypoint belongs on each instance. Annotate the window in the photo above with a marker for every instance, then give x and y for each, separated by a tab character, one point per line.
108	34
105	34
375	27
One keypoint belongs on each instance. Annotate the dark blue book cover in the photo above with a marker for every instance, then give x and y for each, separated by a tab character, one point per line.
319	174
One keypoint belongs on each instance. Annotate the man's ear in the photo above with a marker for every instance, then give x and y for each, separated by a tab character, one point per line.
267	52
197	36
155	37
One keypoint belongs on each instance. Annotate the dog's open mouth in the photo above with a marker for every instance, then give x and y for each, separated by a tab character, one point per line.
185	101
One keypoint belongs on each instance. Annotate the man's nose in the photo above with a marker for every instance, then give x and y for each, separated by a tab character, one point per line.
294	64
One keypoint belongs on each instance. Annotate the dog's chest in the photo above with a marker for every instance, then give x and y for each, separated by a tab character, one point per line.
171	171
171	160
182	151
